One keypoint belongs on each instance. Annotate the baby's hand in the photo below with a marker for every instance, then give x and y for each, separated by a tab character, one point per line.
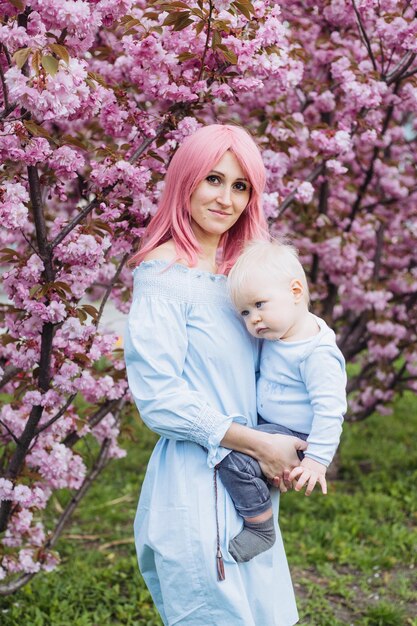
310	472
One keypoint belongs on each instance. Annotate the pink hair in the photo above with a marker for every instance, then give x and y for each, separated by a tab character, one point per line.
191	163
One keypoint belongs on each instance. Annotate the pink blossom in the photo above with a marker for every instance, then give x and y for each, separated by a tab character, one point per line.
6	489
66	162
335	166
13	212
305	192
37	150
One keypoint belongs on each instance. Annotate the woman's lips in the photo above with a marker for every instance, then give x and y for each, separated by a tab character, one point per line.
221	213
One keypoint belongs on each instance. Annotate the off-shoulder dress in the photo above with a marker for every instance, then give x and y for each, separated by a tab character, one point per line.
191	370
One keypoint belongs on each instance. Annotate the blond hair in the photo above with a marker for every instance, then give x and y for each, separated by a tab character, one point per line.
278	257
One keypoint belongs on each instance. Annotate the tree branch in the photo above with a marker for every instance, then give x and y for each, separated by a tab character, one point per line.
108	407
100	463
9	373
5	90
178	110
56	416
322	209
378	251
290	198
11	433
206	45
401	68
40	224
365	36
18	457
370	171
109	289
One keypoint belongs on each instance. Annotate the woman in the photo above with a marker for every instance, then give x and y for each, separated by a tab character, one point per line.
191	370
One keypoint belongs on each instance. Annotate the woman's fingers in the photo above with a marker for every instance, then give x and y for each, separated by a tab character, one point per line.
301	444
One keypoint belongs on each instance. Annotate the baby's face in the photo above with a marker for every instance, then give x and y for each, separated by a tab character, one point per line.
268	306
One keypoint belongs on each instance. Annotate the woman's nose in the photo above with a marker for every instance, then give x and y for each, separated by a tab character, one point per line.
224	198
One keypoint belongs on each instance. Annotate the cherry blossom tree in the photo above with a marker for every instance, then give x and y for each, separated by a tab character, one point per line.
96	95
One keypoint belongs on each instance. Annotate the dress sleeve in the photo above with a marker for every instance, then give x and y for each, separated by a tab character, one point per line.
324	375
156	345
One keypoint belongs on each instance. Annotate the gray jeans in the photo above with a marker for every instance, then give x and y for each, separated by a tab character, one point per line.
243	479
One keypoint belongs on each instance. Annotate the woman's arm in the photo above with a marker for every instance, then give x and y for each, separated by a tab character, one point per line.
156	346
275	453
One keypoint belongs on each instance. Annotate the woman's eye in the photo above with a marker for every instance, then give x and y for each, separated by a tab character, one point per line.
241	186
213	179
258	304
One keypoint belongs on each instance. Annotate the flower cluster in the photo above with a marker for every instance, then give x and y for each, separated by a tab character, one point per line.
95	99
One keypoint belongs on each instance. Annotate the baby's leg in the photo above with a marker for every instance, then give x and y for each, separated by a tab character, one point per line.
247	486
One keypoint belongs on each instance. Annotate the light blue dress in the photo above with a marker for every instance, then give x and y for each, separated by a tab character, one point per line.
191	371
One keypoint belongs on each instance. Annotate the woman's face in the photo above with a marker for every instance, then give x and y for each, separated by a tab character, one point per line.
219	199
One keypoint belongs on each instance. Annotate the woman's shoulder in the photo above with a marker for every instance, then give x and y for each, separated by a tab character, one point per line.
162	274
165	252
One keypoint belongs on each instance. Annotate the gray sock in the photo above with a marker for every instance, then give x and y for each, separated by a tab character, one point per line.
256	537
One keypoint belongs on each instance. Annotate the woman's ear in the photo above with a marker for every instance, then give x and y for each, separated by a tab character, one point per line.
297	289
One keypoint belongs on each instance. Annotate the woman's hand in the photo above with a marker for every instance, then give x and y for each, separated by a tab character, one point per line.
278	455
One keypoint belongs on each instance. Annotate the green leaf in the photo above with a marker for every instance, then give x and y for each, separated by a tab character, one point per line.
172	18
35	129
262	128
186	56
132	22
151	15
50	64
80	356
199	27
167	6
82	316
98	226
217	39
61	285
98	78
73	141
34	290
228	54
8	255
36	61
19	4
21	56
60	51
243	8
183	23
91	310
246	7
156	156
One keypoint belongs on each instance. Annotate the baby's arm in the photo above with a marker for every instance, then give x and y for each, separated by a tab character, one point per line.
324	376
309	472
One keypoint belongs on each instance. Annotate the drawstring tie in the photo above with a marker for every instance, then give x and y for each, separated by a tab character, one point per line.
219	557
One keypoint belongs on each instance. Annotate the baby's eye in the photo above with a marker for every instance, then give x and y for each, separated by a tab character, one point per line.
244	313
259	304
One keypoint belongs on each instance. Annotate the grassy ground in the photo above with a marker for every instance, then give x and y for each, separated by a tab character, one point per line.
352	554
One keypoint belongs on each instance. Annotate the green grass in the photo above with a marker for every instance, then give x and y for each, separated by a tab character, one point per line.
352	554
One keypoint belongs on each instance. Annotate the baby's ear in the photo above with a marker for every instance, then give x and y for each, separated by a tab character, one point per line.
297	289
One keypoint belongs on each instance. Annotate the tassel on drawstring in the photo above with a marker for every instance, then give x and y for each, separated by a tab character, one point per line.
220	565
219	557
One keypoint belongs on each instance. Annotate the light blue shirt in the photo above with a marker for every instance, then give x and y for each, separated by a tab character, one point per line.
191	370
302	385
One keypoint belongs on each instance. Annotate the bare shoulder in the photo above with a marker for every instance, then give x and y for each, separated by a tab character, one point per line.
165	252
